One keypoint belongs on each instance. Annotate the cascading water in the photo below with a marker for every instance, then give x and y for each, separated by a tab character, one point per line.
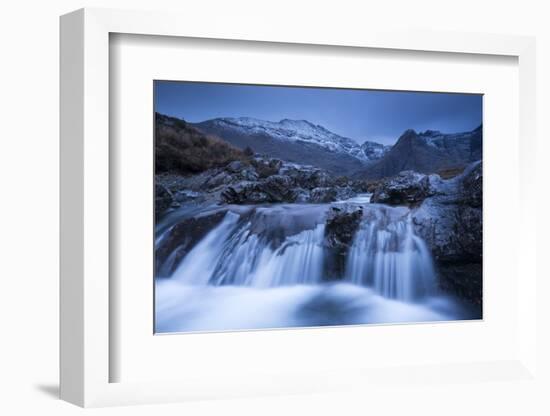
232	254
387	255
263	267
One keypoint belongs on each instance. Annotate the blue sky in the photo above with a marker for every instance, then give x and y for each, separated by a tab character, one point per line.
358	114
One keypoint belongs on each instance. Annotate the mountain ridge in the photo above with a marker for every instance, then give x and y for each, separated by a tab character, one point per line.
306	143
298	141
427	152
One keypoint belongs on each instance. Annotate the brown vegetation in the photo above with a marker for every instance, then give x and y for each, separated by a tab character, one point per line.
450	172
181	148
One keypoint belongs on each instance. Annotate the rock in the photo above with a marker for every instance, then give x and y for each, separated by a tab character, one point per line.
463	280
235	167
344	192
301	195
249	174
323	195
407	188
244	193
186	195
278	187
451	223
306	177
341	224
274	189
257	181
220	178
163	199
267	167
472	187
242	171
181	238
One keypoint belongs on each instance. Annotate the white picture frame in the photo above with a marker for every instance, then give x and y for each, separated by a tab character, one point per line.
86	355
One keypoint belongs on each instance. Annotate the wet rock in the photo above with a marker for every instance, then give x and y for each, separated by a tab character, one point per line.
451	223
407	188
244	193
301	195
340	227
235	167
267	167
258	181
275	189
240	170
163	199
186	195
306	177
220	178
344	192
180	239
472	187
278	187
323	195
463	280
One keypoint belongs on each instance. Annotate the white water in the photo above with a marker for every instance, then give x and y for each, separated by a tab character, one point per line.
263	268
182	308
232	254
387	255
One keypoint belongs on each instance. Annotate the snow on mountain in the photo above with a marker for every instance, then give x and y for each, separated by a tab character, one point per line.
373	150
440	140
304	131
427	152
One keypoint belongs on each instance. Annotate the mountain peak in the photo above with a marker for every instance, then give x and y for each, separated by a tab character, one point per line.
292	121
431	133
289	130
428	152
407	135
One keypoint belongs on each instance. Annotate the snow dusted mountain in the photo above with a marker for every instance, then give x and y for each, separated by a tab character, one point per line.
374	151
297	141
427	152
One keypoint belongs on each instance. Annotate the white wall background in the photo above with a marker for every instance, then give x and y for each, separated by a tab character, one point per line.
29	189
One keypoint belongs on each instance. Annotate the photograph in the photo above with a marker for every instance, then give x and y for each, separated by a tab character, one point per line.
304	207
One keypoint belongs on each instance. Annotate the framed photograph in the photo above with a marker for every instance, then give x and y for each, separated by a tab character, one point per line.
265	218
273	214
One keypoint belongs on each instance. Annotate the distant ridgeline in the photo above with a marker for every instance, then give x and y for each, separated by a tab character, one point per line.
194	147
428	152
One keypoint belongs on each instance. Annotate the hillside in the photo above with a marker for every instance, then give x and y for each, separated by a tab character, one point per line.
427	152
297	141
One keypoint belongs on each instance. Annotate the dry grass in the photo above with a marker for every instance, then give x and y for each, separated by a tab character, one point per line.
450	172
181	148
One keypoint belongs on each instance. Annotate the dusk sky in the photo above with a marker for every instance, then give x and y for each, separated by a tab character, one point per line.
380	116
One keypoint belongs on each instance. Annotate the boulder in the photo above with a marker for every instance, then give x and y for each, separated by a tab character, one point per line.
244	193
323	195
278	187
406	188
451	223
180	239
306	177
274	189
341	224
242	170
258	181
163	199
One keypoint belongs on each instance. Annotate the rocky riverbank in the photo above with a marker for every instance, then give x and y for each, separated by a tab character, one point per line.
258	181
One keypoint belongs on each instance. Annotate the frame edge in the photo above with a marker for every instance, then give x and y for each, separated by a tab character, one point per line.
71	218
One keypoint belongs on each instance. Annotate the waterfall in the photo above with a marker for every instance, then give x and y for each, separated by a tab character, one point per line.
199	264
268	249
232	254
387	255
264	267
